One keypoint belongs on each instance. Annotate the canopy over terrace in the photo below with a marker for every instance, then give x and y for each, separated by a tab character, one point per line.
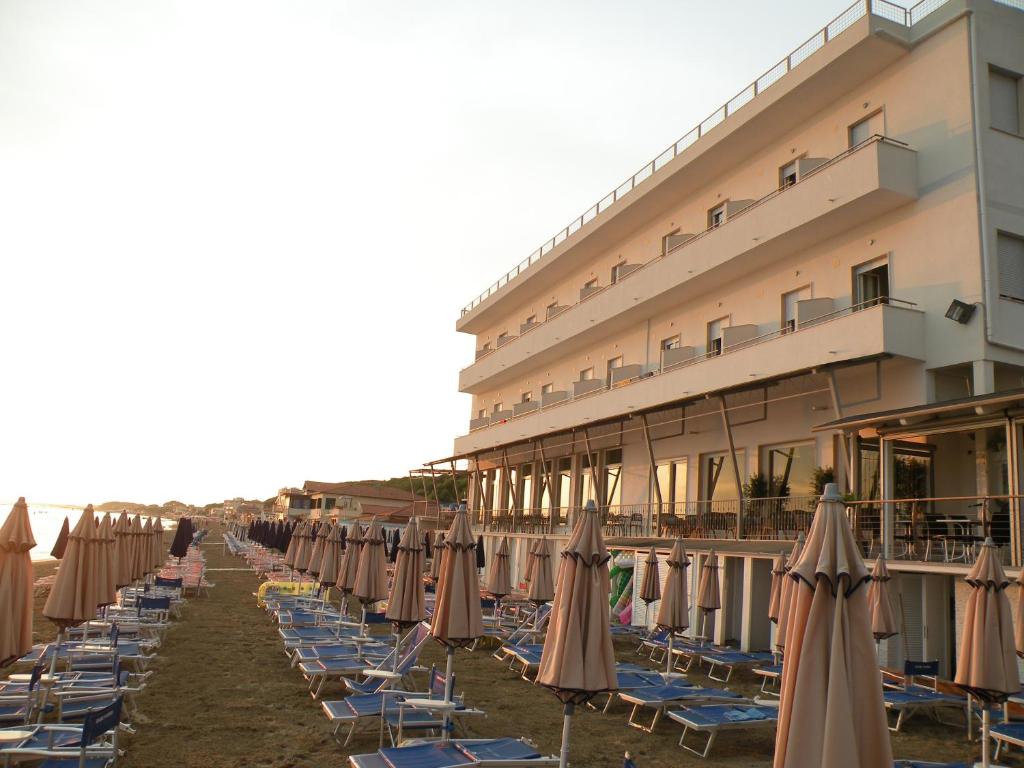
934	479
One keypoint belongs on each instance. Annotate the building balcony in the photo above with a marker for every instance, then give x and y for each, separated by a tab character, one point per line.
890	328
861	184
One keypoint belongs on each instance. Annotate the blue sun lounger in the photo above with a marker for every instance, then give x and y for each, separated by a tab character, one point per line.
921	764
712	719
662	697
485	753
335	650
914	698
730	661
1006	735
318	672
629	680
771	679
90	745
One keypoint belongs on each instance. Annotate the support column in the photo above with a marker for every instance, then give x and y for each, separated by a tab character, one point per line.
984	375
747	621
655	481
886	471
837	408
1013	454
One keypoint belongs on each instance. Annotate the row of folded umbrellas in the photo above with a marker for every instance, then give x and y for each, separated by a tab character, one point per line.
99	556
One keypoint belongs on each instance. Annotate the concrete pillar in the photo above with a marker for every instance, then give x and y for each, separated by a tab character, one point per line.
984	376
886	470
747	623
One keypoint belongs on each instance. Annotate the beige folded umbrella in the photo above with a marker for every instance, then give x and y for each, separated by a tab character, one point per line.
158	545
708	598
372	571
406	602
499	577
76	592
16	584
435	561
123	550
883	620
136	537
578	661
107	561
531	560
786	593
987	664
331	556
542	584
146	548
316	552
458	620
775	599
305	548
293	543
674	610
650	586
831	711
346	578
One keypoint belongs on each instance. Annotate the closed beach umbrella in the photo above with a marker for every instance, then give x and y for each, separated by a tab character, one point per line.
481	558
305	547
316	553
1019	628
406	602
393	553
578	661
650	587
183	538
674	610
499	577
76	591
344	538
16	584
831	711
427	550
138	539
157	544
293	544
331	556
146	547
883	621
542	583
458	620
439	550
775	599
346	580
107	561
786	593
708	598
987	664
122	551
371	572
62	541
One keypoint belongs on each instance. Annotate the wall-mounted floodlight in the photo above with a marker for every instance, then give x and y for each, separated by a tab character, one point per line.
960	312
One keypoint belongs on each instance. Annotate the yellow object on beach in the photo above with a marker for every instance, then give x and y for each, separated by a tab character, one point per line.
284	588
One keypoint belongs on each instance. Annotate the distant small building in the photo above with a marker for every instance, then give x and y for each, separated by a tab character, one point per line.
291	504
356	500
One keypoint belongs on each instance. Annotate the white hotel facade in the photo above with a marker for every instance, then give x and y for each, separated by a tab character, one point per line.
823	279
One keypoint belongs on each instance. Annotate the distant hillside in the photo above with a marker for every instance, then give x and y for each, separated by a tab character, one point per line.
117	506
424	487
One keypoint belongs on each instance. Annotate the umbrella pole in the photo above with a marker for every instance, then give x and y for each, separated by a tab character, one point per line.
563	757
56	652
668	655
449	663
985	724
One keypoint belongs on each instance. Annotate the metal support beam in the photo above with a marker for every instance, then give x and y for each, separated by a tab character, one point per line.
511	485
837	408
595	481
735	466
655	481
1013	471
886	471
485	517
546	479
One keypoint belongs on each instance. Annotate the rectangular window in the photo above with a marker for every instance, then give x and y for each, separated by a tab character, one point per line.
547	388
666	239
789	306
502	338
871	283
330	502
1004	100
1010	253
787	175
873	125
672	342
481	413
788	470
587	374
527	397
590	283
531	320
715	328
617	272
612	475
718	477
716	216
672	484
498	407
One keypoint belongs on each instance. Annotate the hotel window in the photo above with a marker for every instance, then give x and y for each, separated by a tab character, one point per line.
715	330
524	492
615	362
787	175
789	307
527	397
672	484
672	342
563	484
612	475
1010	253
330	502
718	477
617	272
585	484
498	407
481	413
716	216
870	283
486	347
666	239
789	469
502	337
1004	90
587	374
864	129
547	389
531	320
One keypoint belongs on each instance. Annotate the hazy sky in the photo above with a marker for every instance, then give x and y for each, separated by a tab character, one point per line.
235	236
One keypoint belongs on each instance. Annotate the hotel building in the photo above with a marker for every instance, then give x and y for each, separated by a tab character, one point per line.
823	279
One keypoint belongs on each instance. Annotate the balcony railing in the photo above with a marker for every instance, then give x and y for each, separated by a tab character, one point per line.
882	8
947	529
579	393
638	268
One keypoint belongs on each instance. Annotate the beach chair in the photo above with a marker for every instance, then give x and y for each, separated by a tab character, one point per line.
432	713
661	698
922	764
93	744
18	705
914	698
322	670
771	679
629	680
712	719
484	753
728	661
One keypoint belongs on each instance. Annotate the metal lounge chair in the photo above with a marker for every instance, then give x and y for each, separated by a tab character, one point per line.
771	679
712	719
90	745
428	714
914	698
661	698
320	671
729	661
484	753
